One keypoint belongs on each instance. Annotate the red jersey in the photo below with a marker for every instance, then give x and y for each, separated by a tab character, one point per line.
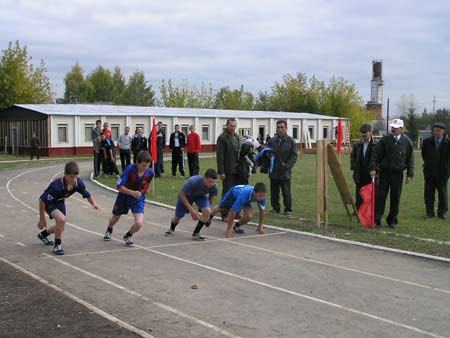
194	144
107	133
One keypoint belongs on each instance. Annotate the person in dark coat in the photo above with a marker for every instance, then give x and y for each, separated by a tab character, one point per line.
394	154
436	170
160	145
138	143
363	161
285	152
35	145
177	144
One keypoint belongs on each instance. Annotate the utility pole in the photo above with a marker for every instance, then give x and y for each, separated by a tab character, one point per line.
434	104
387	117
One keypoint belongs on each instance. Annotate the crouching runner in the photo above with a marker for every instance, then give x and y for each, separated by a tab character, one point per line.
132	185
200	190
238	198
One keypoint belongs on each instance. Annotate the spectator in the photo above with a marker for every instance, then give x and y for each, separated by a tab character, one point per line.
267	138
97	146
247	154
138	143
125	148
394	154
227	155
194	145
363	161
35	144
109	166
285	152
160	145
177	144
106	130
436	170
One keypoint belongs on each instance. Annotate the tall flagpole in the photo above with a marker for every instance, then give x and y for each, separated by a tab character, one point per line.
373	202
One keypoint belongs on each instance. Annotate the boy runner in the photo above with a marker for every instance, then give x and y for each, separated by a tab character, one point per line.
200	190
52	202
132	185
241	197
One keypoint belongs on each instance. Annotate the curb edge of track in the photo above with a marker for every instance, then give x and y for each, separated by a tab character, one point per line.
304	233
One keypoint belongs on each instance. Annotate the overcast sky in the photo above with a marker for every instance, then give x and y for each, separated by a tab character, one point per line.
252	42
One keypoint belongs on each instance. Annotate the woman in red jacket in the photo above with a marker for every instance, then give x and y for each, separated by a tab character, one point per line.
194	144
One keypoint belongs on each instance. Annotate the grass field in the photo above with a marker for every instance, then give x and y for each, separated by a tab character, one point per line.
412	233
9	162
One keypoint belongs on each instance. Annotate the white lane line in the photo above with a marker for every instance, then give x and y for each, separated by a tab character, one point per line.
318	300
130	248
145	298
24	210
2	236
80	301
9	206
20	244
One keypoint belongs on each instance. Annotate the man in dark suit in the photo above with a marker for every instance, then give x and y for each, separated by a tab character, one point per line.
436	170
363	161
177	144
394	154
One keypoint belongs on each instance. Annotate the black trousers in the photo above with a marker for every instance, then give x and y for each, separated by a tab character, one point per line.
285	187
393	183
125	158
98	162
34	152
194	164
433	183
177	161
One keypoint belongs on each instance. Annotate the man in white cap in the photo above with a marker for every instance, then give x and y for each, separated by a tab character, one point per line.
394	154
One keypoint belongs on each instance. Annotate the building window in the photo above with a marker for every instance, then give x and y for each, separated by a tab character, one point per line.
140	126
325	133
185	129
115	131
205	132
88	132
295	134
262	132
62	133
311	132
244	132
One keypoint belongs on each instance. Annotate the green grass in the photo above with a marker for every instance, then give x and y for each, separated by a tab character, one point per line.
23	161
411	214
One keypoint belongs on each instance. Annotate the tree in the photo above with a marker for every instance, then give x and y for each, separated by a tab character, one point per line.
406	103
137	92
102	81
119	85
238	99
186	96
411	124
20	81
78	89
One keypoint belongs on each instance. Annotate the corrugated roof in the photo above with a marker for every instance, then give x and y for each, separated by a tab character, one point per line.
113	110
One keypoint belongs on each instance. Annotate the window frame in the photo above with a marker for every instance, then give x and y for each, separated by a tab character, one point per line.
66	136
207	131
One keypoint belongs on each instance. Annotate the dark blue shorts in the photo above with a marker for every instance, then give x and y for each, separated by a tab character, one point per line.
124	203
228	200
59	206
181	210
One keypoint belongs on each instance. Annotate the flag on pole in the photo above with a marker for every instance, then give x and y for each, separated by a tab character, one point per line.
340	136
153	147
366	212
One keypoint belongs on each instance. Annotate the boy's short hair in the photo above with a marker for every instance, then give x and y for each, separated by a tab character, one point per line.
98	121
231	120
282	122
143	156
71	168
365	128
102	133
260	187
211	173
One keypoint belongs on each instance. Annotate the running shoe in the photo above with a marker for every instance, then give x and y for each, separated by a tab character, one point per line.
108	236
169	232
237	229
58	250
128	240
198	237
44	240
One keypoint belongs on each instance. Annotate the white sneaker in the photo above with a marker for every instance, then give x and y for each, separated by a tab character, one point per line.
169	232
128	240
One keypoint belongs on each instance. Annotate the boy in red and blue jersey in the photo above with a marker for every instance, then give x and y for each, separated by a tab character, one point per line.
52	202
132	185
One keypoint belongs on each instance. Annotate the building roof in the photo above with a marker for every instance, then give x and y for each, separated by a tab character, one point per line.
113	110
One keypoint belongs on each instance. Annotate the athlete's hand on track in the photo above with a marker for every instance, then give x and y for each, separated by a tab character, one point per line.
98	208
42	224
261	230
230	234
195	215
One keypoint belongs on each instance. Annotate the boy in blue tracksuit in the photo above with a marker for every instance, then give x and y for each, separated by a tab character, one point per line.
132	185
52	202
241	197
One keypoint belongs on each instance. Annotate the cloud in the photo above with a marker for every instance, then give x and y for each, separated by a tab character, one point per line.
249	42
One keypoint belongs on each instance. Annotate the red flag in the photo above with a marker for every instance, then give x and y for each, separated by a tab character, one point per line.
153	147
340	136
366	212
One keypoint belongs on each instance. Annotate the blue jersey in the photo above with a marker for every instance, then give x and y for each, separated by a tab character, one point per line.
58	191
130	178
243	198
194	187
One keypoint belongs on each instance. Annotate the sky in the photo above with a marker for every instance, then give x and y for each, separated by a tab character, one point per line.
251	42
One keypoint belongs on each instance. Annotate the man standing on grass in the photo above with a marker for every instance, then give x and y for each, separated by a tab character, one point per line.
35	144
227	155
177	144
160	145
125	148
139	143
97	145
394	154
436	170
363	161
285	152
194	144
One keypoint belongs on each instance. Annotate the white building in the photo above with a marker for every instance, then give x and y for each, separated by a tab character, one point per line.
66	128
